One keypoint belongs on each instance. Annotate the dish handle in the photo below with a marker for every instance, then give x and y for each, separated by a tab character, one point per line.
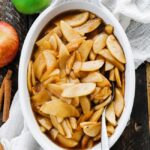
58	2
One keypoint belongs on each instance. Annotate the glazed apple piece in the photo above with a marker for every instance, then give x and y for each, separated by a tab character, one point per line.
99	42
92	130
108	66
107	55
97	114
69	33
110	114
118	103
85	49
117	77
29	76
63	109
56	124
80	89
85	104
74	45
75	19
103	94
49	59
65	141
89	26
115	49
53	42
63	53
39	69
40	97
92	65
77	135
70	62
93	77
45	122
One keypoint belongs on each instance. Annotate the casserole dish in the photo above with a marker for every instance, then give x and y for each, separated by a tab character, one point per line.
32	36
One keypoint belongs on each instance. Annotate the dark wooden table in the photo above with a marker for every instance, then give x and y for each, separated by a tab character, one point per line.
136	135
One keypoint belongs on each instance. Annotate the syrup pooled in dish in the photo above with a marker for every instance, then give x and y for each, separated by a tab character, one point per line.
76	70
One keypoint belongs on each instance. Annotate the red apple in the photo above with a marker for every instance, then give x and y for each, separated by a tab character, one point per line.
9	43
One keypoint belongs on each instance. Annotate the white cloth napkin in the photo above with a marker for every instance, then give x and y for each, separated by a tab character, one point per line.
14	134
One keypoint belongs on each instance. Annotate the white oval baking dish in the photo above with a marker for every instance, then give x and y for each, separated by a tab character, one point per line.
31	37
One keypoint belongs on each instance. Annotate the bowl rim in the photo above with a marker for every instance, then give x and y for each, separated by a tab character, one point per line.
23	92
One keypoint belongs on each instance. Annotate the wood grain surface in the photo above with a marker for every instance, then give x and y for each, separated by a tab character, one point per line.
148	90
136	134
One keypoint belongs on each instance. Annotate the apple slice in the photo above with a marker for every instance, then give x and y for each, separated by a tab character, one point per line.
59	109
29	76
75	19
70	62
50	59
80	89
66	128
115	49
85	104
40	98
69	143
118	102
9	43
89	26
107	55
84	141
55	89
117	77
69	33
56	124
112	75
92	55
92	65
73	122
108	66
103	94
110	114
97	114
109	29
78	19
39	69
53	132
77	64
47	74
103	104
99	42
63	53
110	129
87	123
53	42
85	49
92	130
77	135
44	122
72	46
105	82
93	77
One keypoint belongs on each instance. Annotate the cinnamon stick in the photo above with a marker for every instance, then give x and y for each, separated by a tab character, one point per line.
1	147
7	99
1	96
8	76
